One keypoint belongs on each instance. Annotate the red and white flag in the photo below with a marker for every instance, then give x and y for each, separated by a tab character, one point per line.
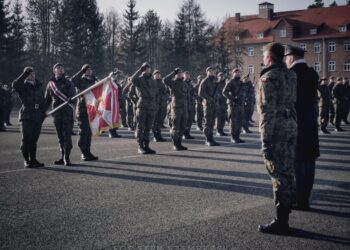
103	106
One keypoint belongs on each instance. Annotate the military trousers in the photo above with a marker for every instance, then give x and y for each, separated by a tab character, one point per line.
221	117
130	114
236	117
190	116
304	180
84	140
30	135
324	116
145	119
64	127
179	118
209	121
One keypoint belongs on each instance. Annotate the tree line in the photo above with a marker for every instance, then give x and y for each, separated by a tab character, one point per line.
75	32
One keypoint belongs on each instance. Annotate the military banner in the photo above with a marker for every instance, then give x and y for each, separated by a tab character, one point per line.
103	106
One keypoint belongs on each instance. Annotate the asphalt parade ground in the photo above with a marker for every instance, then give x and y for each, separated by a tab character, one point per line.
203	198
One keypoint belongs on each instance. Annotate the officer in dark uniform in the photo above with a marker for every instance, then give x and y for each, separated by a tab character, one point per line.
31	114
60	90
82	80
207	91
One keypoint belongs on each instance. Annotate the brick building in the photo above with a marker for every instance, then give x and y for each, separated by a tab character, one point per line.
323	32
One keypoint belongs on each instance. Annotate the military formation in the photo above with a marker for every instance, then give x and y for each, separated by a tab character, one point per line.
290	113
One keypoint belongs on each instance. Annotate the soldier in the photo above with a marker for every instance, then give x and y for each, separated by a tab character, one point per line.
158	122
276	97
116	75
2	110
199	104
324	104
147	92
83	79
129	106
234	93
60	90
134	99
207	91
7	104
249	102
221	107
331	84
347	100
338	94
191	105
307	147
31	114
179	106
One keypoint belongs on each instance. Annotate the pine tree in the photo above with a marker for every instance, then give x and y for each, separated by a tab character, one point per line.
317	4
5	29
334	4
166	49
131	51
181	49
112	32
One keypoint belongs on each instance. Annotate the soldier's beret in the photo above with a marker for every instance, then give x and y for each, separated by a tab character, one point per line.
209	68
220	74
293	50
57	65
156	72
277	50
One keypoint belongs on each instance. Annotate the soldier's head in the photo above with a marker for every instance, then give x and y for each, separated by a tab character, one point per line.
221	76
236	74
293	54
157	75
88	71
331	79
187	75
210	72
273	54
58	70
179	74
345	80
31	76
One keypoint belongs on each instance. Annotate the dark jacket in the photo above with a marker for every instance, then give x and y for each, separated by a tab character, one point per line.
32	98
307	114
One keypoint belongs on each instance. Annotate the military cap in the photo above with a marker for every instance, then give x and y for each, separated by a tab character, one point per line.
156	72
209	68
293	50
57	65
277	50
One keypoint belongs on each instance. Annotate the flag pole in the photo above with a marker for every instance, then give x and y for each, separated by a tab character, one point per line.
78	95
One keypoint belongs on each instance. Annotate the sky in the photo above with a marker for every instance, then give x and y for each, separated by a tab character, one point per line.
215	10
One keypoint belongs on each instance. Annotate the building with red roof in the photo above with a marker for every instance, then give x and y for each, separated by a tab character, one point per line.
323	32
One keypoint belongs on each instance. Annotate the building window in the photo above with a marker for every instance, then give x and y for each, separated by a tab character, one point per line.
347	66
237	37
283	33
303	46
260	35
347	45
331	66
313	31
251	69
331	46
317	47
238	51
343	28
250	51
317	67
262	50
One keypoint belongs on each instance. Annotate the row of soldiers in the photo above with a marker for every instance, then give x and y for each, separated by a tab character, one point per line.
149	98
334	102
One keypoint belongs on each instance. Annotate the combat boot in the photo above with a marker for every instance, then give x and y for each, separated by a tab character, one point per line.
325	131
27	162
237	140
279	225
158	137
188	136
66	158
148	149
339	129
33	159
221	133
141	148
247	131
60	161
113	134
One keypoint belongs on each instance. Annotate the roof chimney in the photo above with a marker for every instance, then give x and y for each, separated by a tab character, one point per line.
266	10
238	17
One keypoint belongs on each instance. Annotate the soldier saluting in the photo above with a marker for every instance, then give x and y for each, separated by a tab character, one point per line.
276	97
82	80
31	115
58	91
147	92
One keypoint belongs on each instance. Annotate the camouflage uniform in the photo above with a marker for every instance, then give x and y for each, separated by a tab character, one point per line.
221	108
249	103
347	101
191	109
147	92
199	107
276	97
159	120
179	107
134	99
63	119
129	107
331	108
207	91
122	101
338	94
324	105
234	92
